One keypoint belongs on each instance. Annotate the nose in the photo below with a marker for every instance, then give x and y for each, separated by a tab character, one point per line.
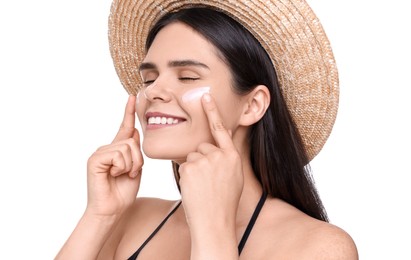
155	92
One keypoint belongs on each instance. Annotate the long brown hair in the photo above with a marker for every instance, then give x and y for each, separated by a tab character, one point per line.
277	153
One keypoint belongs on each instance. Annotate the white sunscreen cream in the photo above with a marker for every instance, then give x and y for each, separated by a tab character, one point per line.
194	94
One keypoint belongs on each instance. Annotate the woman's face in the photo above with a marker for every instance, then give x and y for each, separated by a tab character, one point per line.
180	66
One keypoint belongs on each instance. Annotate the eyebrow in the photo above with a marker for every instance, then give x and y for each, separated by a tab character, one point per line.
174	63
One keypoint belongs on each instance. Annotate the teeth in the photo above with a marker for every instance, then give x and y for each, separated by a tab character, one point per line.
162	121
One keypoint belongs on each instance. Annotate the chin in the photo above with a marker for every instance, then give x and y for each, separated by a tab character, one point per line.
164	152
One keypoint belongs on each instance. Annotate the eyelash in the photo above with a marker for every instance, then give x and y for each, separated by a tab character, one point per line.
148	82
188	78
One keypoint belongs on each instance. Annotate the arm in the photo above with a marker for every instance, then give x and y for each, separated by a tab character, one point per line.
211	182
88	237
217	241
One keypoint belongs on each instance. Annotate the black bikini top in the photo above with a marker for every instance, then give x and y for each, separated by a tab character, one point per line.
242	241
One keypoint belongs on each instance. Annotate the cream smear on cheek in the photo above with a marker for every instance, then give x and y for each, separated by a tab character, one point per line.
194	94
138	98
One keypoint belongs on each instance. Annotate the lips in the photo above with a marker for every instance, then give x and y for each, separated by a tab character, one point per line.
155	118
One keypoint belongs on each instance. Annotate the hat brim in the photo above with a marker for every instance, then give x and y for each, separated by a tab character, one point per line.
289	31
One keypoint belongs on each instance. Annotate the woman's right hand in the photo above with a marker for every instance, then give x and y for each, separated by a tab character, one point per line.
114	170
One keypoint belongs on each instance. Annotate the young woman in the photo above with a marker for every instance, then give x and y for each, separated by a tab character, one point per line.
240	123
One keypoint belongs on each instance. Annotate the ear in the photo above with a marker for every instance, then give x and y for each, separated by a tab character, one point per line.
257	102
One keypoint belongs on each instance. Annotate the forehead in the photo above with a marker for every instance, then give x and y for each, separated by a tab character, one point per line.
179	41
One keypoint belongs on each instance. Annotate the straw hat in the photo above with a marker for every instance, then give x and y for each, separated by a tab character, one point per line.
288	30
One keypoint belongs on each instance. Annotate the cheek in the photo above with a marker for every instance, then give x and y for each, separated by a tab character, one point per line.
190	102
199	130
194	95
197	116
230	110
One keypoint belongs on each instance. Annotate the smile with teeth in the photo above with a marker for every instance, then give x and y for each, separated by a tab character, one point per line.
158	120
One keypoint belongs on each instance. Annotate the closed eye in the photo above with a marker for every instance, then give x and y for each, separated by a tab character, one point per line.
148	82
188	79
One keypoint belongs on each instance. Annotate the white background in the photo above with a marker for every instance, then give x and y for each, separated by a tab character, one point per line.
60	99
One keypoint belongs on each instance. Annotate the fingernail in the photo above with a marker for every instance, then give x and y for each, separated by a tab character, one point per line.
207	97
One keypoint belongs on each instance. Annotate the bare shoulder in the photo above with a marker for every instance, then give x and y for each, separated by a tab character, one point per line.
145	215
295	235
137	224
149	207
327	241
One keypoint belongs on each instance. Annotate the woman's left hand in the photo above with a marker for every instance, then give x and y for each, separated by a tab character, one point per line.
211	179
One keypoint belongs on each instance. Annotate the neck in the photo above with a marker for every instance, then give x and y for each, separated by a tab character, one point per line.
252	189
250	195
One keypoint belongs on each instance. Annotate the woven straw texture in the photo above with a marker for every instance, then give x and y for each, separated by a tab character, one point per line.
288	30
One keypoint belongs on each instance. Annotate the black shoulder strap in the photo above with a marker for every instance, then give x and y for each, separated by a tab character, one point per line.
243	239
134	256
251	223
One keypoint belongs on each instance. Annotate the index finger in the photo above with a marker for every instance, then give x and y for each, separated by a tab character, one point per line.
128	125
220	133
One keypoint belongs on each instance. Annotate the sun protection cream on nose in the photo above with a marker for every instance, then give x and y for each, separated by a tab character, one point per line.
194	94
